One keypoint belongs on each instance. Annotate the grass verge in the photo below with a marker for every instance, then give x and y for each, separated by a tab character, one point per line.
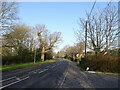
81	68
97	71
16	66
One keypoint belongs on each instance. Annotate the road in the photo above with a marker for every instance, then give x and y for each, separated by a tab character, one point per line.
59	74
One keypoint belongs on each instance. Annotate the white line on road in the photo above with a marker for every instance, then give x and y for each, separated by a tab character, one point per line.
91	72
34	71
8	79
47	66
88	80
63	79
65	76
53	66
43	71
14	82
38	69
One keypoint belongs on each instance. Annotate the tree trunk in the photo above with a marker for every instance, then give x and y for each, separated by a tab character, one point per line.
43	54
106	49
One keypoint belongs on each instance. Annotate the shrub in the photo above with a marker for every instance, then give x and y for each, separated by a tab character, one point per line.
102	63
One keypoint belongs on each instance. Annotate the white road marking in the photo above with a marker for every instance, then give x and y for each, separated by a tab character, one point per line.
53	66
65	76
47	66
34	71
14	82
88	80
8	79
63	79
18	79
57	63
43	71
30	72
91	72
37	69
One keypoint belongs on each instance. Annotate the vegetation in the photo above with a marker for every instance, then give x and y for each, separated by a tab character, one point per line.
73	53
25	44
101	28
81	68
9	16
16	66
22	43
100	32
102	63
46	39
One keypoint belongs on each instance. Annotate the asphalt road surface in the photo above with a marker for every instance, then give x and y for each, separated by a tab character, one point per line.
59	74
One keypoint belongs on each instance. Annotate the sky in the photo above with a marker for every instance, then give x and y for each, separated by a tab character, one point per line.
57	16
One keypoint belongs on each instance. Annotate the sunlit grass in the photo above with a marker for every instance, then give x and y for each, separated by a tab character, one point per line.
16	66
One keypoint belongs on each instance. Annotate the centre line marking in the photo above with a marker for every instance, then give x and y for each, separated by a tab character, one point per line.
43	71
47	66
8	79
65	76
63	79
14	82
53	66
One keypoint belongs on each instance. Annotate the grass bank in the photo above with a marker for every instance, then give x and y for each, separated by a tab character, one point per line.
16	66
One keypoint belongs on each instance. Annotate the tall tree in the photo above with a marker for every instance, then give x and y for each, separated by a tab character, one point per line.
8	15
46	39
111	25
102	29
18	39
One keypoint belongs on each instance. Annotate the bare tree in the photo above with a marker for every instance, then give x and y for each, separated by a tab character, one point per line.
8	14
80	47
73	51
46	39
111	25
18	39
95	32
102	29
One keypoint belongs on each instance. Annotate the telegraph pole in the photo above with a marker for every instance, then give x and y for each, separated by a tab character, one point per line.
34	51
35	55
86	29
85	38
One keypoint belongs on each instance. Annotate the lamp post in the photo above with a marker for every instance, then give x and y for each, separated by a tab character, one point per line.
85	37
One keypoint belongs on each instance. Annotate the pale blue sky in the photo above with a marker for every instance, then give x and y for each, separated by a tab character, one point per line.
57	16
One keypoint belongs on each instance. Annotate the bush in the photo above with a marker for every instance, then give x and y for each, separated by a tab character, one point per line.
102	63
23	57
71	58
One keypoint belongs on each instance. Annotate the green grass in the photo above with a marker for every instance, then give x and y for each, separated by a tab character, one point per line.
81	68
16	66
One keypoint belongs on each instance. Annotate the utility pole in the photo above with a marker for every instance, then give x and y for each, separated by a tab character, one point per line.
86	29
34	51
35	55
86	37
